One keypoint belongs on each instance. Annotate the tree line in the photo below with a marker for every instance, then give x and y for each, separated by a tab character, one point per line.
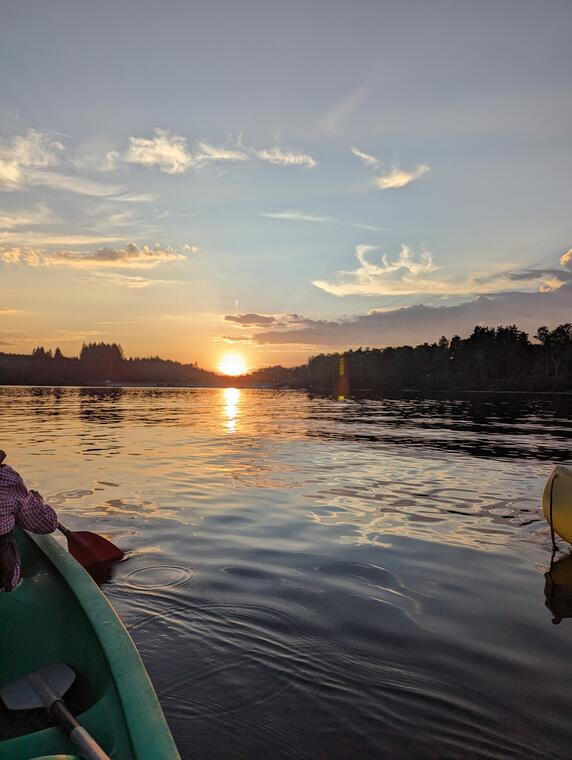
500	358
98	363
491	358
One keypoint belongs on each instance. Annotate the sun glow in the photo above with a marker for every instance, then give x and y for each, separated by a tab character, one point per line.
232	364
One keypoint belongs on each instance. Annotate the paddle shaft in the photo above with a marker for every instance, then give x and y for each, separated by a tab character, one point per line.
64	530
53	703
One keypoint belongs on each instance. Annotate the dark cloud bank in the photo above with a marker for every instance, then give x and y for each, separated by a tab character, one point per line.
417	324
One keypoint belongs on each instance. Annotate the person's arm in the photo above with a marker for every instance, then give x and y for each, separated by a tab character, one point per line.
34	514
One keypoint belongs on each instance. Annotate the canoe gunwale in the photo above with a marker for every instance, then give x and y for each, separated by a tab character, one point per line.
148	730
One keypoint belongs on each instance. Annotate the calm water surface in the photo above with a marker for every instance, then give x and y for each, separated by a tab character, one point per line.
312	578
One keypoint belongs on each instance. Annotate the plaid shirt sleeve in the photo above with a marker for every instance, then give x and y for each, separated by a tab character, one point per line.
17	504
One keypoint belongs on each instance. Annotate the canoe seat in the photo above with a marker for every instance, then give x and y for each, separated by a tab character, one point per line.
58	757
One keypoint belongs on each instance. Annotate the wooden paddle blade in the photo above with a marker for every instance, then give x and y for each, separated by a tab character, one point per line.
90	549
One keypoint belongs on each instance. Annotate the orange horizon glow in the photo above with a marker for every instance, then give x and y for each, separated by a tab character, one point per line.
232	364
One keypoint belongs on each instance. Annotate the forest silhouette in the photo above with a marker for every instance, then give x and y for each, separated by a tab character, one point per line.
490	359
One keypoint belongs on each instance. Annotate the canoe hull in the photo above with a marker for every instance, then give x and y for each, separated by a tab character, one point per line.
58	614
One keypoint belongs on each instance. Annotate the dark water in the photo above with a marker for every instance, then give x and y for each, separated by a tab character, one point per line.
310	578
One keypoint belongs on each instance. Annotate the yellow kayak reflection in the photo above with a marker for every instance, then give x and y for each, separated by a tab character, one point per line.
558	589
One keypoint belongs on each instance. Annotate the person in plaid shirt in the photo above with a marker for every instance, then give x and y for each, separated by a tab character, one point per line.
26	508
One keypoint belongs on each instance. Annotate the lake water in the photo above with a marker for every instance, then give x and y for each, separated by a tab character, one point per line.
314	578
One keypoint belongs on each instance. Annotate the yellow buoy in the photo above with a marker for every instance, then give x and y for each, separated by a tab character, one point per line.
557	502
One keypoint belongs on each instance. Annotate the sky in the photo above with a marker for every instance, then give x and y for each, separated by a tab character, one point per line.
281	179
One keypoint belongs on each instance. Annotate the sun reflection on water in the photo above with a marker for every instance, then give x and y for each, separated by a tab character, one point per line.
231	398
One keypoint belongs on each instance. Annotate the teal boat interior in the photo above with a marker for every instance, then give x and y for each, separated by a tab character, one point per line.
58	614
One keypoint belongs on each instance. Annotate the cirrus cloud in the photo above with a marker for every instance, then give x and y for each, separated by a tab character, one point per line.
168	152
395	177
132	257
286	157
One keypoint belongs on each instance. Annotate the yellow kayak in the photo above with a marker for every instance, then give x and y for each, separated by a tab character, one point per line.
557	502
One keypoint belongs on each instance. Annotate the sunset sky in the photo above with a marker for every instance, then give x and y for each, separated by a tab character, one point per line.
281	179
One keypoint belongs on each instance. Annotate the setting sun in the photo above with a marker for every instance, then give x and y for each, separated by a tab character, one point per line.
232	364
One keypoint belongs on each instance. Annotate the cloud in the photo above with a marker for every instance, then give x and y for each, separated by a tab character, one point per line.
41	238
406	275
234	339
207	154
265	320
32	149
131	281
168	152
291	215
72	184
132	256
6	312
417	324
25	161
172	155
397	178
413	274
366	158
53	339
251	320
286	157
39	214
135	197
566	259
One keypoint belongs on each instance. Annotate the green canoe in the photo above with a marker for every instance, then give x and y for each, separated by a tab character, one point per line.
58	614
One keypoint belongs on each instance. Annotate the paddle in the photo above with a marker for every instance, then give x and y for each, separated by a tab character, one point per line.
90	549
45	688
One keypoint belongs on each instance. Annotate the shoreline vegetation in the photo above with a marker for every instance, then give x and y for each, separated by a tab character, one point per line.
501	359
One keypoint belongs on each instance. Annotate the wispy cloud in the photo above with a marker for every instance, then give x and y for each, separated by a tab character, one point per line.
208	154
78	185
52	339
26	160
406	275
413	273
132	257
397	178
291	215
44	238
132	281
366	158
32	149
286	157
167	151
171	154
39	214
135	198
233	339
7	312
